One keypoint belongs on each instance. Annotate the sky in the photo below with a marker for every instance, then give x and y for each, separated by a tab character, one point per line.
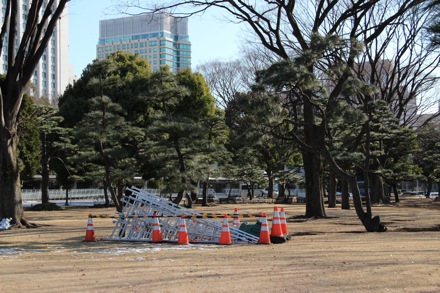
211	36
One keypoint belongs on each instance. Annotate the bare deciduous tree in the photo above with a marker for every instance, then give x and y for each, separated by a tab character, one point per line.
22	58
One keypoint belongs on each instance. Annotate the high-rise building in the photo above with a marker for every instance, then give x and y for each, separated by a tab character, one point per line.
53	73
159	37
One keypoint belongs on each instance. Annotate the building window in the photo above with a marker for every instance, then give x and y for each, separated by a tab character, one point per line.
166	43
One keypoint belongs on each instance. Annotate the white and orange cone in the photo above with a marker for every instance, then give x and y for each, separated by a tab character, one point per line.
225	236
264	232
90	233
182	238
236	219
157	233
283	222
276	230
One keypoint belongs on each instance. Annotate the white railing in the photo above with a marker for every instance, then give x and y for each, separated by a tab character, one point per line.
74	194
60	194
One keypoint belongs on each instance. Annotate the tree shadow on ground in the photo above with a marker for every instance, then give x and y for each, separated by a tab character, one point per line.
435	228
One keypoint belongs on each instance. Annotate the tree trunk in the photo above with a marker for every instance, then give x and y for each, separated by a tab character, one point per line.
377	195
120	190
67	197
205	193
44	171
313	179
106	199
345	196
111	189
190	199
313	167
429	188
396	193
331	196
270	187
179	197
10	189
371	224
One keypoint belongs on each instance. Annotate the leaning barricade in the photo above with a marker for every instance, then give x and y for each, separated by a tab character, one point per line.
142	208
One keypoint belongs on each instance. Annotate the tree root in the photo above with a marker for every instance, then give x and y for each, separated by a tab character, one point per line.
25	224
375	225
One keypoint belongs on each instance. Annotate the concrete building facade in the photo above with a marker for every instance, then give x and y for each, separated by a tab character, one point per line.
53	73
160	38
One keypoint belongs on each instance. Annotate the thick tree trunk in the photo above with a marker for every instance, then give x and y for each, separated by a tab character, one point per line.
313	179
10	188
313	167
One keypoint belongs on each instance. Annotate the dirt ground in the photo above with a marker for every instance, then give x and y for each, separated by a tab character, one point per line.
324	255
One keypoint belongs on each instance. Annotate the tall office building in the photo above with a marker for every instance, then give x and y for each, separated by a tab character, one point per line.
53	73
160	38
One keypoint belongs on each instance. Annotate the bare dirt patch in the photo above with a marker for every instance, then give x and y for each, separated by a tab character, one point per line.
324	255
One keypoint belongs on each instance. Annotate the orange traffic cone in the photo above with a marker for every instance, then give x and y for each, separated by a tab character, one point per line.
283	222
183	233
236	220
225	236
90	233
276	225
157	233
264	232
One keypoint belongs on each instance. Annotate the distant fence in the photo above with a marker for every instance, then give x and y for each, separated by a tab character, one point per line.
89	194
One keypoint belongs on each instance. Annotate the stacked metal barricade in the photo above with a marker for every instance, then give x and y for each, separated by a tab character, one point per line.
136	221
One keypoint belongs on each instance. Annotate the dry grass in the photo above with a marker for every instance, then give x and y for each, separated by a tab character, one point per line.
324	255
